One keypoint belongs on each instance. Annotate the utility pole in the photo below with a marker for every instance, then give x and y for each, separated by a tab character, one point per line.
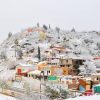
40	85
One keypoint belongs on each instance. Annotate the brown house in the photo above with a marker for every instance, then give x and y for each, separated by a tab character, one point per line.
72	63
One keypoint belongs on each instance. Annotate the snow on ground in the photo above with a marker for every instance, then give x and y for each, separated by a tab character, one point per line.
17	85
4	97
7	75
94	97
34	84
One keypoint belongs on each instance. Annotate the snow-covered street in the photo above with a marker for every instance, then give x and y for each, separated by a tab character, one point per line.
4	97
95	97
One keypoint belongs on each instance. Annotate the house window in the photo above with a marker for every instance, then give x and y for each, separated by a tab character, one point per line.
68	65
49	71
97	78
77	62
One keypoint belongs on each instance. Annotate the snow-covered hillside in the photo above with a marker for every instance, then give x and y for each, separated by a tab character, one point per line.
76	44
80	43
24	48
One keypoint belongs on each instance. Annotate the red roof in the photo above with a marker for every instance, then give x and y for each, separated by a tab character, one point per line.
96	58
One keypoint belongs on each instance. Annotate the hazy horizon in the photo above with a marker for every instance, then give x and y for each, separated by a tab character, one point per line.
16	15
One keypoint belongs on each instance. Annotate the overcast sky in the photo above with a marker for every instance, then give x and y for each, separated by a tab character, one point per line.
16	15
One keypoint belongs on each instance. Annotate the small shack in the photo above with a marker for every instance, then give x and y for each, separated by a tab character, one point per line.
24	69
34	74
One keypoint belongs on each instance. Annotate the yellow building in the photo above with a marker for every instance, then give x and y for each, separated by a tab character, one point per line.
48	69
42	36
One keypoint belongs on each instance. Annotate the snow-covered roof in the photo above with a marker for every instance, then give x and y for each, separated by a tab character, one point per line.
97	85
26	65
96	74
54	61
36	72
72	56
97	63
43	62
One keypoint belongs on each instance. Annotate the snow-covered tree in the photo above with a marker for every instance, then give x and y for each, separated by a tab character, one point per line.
58	29
88	67
3	55
16	43
11	64
9	35
45	27
19	54
49	26
27	88
98	44
73	30
55	92
3	85
38	25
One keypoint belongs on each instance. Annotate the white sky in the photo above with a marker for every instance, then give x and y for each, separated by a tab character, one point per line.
19	14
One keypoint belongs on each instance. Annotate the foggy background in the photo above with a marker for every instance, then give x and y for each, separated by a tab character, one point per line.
16	15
